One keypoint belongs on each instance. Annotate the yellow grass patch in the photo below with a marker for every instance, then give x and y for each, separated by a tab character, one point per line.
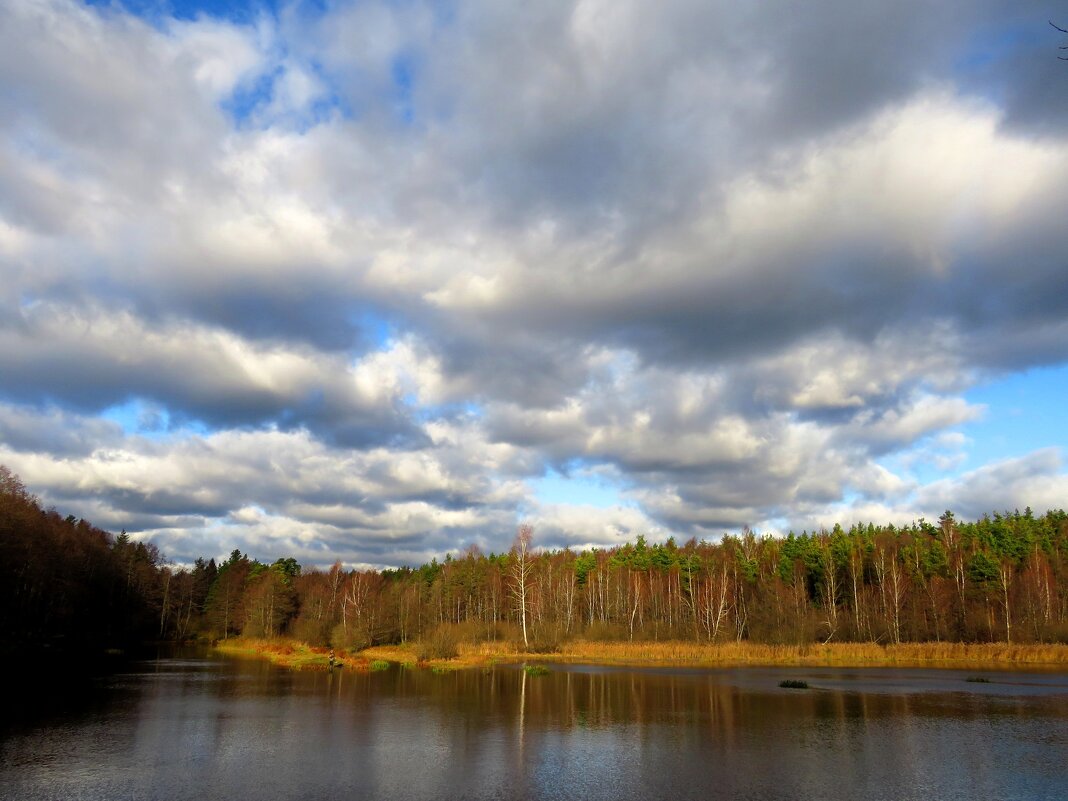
292	654
694	654
976	655
837	654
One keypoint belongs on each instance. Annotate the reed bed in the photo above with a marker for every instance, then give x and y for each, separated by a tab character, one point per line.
404	653
681	653
811	654
830	654
295	655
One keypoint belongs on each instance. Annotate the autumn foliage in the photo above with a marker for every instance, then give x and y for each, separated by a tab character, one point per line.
1003	578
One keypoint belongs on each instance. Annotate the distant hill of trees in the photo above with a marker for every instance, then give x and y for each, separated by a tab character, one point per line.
1004	577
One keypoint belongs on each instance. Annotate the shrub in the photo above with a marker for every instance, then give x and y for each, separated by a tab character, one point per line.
351	638
441	643
311	631
497	632
475	632
606	632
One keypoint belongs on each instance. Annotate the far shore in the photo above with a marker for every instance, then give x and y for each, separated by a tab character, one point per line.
979	656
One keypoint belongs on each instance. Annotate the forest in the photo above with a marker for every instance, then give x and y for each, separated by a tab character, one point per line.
1003	578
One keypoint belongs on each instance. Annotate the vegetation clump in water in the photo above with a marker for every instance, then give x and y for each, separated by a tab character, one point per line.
794	684
536	670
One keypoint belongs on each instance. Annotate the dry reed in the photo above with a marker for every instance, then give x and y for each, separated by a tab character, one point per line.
292	654
682	653
836	654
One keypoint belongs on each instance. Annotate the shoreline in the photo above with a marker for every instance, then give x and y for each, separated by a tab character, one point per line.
976	656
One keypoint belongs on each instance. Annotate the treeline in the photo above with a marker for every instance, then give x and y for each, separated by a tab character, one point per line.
69	585
1004	577
1001	578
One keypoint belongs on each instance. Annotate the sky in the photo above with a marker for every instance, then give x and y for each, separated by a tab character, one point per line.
376	281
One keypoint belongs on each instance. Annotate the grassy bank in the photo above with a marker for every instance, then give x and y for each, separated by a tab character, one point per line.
689	654
979	655
292	654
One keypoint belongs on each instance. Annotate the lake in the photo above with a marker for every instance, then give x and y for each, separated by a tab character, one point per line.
223	728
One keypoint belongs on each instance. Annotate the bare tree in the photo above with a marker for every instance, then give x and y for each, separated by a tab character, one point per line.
520	571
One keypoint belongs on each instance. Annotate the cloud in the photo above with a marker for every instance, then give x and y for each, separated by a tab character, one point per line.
375	266
91	359
268	484
54	431
1035	480
580	527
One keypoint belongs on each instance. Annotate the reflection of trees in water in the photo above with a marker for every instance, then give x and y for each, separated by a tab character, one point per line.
719	704
602	733
525	731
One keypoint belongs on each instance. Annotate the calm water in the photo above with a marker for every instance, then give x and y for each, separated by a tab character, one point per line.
236	729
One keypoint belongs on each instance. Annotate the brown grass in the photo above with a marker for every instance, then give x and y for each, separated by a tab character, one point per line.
832	654
409	654
691	654
292	654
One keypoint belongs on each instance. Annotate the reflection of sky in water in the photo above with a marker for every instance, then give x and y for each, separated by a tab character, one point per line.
243	729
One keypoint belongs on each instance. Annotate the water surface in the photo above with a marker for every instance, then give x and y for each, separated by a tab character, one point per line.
221	728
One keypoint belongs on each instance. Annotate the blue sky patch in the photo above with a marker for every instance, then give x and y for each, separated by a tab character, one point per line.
578	488
142	418
156	10
1025	412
